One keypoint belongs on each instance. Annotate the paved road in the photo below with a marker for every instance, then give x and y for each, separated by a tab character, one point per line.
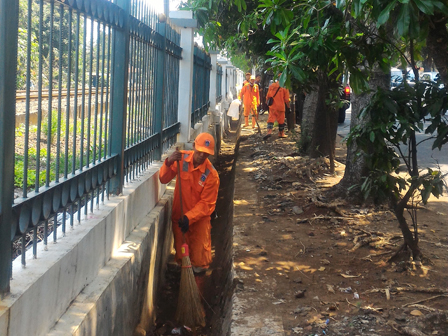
426	156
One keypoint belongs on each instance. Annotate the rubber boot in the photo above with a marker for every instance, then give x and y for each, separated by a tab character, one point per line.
281	131
246	121
269	131
281	134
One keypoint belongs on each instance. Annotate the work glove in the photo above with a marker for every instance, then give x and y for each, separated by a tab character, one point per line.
288	110
184	224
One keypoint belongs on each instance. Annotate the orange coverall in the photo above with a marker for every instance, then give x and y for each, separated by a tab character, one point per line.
199	193
277	109
251	100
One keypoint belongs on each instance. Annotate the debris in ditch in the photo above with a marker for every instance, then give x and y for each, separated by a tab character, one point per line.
176	331
297	330
297	210
300	294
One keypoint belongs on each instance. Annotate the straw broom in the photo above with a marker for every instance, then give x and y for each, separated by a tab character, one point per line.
189	308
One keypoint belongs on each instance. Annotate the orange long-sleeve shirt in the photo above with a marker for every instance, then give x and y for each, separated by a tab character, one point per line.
280	99
250	95
199	187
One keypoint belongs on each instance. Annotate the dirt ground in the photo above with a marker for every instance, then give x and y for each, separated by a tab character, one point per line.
307	264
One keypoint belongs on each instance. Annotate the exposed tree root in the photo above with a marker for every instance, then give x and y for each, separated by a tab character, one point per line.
363	242
403	248
430	309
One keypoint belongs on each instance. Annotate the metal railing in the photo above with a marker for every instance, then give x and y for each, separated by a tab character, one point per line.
227	86
218	83
201	83
121	68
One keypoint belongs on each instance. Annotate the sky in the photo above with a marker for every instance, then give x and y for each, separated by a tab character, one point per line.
158	5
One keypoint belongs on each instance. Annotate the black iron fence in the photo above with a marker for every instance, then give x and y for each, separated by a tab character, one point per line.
99	83
201	84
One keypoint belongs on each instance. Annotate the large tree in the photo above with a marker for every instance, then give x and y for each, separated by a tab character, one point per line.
391	119
314	41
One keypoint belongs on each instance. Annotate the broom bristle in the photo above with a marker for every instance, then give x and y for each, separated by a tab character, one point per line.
189	308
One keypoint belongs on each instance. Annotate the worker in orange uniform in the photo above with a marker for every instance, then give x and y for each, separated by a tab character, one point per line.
251	99
200	184
277	109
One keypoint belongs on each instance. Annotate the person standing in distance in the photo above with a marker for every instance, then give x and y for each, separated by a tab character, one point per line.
250	96
247	80
280	103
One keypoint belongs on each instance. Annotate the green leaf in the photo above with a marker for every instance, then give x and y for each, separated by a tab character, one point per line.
384	15
357	7
340	4
441	7
372	136
282	79
426	6
403	20
426	193
306	21
273	41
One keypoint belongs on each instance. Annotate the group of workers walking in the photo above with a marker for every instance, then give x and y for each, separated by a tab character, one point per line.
277	99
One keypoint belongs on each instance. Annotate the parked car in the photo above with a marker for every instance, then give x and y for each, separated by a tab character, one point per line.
430	76
345	95
396	77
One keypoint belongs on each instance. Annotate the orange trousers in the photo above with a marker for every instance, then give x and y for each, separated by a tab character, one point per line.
249	110
276	115
198	239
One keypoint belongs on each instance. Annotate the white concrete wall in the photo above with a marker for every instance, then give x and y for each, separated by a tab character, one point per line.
102	269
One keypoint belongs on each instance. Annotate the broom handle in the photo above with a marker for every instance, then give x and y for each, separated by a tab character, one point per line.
180	196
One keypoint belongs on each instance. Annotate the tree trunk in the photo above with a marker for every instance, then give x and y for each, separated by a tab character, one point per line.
307	127
409	239
325	123
355	167
437	44
291	116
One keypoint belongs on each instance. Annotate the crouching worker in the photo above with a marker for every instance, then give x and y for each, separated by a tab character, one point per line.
200	184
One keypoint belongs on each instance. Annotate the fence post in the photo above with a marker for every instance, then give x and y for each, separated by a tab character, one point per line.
159	105
120	58
8	66
213	78
184	20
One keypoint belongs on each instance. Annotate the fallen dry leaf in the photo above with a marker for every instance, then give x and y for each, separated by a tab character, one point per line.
416	312
321	269
330	288
349	276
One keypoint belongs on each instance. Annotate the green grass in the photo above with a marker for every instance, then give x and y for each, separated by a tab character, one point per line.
19	163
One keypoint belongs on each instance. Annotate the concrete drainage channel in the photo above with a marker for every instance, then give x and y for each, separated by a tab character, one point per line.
222	237
220	278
